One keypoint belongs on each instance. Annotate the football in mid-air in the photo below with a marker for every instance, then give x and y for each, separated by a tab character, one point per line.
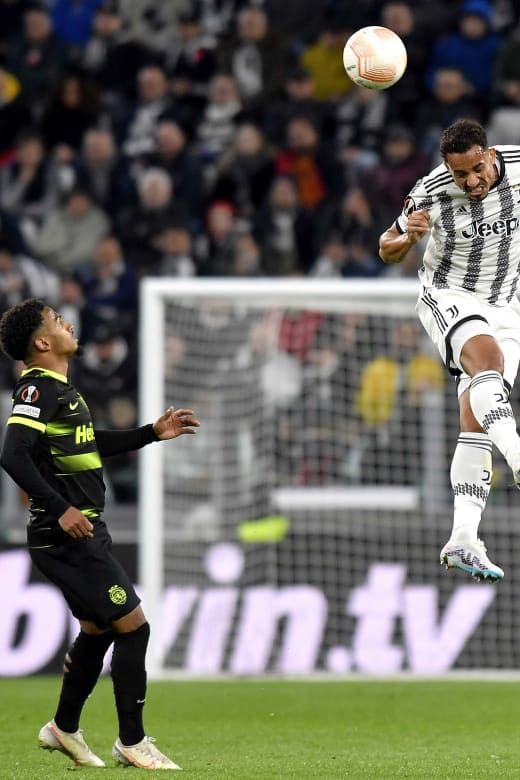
374	57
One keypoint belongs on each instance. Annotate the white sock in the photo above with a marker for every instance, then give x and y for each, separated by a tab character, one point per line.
471	470
490	404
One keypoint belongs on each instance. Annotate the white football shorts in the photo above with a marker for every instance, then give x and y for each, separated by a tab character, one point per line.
452	317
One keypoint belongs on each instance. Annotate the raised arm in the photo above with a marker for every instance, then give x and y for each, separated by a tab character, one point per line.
173	423
394	245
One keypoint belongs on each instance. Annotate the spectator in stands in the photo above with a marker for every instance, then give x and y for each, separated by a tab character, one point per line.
190	62
352	218
109	287
472	49
387	184
247	260
14	286
332	454
312	164
112	59
174	245
140	224
71	107
360	121
71	303
217	17
284	340
324	61
11	233
256	56
452	98
407	95
15	114
70	233
23	277
35	56
107	372
296	20
108	376
216	249
297	100
150	23
245	172
72	22
222	114
390	397
284	231
506	79
153	103
102	171
171	153
11	22
503	120
327	452
28	186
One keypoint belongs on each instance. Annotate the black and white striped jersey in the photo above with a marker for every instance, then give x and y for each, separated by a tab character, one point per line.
473	245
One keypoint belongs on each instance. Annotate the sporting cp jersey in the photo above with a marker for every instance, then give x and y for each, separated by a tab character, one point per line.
473	245
65	451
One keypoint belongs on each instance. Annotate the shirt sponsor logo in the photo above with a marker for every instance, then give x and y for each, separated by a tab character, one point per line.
30	411
500	227
30	394
84	433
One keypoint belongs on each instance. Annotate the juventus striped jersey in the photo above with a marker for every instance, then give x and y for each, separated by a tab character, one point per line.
473	245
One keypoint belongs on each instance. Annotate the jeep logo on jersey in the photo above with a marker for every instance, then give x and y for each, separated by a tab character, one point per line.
30	394
500	227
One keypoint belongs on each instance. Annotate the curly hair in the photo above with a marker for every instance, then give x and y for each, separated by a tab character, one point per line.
17	325
461	136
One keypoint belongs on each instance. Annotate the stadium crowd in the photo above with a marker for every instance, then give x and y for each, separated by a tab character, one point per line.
218	138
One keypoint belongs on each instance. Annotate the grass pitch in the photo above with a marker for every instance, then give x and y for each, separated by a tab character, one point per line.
266	730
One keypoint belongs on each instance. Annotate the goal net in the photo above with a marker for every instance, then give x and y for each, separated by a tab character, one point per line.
299	530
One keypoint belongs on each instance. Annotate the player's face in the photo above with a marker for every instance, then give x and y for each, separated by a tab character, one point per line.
473	171
59	332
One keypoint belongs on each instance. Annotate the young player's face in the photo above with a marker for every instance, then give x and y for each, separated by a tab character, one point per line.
59	332
473	171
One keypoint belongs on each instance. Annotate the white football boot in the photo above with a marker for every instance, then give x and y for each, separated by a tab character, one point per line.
73	745
470	557
144	755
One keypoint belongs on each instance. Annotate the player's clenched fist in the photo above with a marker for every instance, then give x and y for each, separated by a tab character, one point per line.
418	225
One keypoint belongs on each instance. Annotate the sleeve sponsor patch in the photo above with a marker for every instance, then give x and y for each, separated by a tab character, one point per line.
30	411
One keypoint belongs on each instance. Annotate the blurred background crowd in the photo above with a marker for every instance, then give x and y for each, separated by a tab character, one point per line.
218	138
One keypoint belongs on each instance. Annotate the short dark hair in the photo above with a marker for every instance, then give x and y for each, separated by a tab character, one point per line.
461	136
17	326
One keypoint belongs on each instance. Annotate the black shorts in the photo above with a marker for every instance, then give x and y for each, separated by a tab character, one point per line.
93	582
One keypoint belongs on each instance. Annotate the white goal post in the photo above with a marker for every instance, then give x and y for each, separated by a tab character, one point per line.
299	530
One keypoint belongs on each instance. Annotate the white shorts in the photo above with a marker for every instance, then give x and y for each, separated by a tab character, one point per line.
444	312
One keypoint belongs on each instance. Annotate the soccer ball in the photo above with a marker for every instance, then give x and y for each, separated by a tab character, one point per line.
374	57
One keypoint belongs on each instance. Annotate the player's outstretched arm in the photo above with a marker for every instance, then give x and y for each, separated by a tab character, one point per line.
394	246
175	422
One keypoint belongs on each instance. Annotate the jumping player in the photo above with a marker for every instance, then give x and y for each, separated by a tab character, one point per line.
468	304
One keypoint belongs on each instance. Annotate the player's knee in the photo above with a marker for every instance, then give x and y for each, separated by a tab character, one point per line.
482	353
129	652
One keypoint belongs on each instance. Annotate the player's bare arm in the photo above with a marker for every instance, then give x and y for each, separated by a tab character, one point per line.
175	422
394	246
